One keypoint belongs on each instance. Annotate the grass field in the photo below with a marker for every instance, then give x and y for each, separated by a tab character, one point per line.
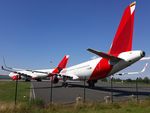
7	91
126	107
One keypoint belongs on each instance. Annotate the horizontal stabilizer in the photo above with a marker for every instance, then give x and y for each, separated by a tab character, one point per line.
104	55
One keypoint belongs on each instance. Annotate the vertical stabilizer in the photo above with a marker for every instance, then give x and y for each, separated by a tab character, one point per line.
62	64
123	38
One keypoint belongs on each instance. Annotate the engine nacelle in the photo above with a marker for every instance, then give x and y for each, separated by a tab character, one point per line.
14	76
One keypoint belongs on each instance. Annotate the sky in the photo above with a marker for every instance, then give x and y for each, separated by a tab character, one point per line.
35	32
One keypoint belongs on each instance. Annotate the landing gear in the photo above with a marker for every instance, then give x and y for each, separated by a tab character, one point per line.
64	84
55	80
91	83
27	80
38	79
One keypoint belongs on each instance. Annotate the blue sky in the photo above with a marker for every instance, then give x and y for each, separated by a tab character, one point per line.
35	32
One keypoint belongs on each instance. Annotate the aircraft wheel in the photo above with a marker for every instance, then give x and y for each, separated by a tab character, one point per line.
91	84
27	80
64	84
38	80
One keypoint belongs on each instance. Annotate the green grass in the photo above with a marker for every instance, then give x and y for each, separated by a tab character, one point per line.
122	107
7	91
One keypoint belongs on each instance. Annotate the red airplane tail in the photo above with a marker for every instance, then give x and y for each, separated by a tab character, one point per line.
123	38
61	65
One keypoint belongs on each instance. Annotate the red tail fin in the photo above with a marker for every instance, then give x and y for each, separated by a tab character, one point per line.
62	64
123	39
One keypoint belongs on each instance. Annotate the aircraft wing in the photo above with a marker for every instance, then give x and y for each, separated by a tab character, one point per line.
34	71
71	76
3	75
145	58
133	73
21	72
18	69
29	72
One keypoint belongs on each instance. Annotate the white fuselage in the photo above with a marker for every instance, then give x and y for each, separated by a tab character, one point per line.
86	69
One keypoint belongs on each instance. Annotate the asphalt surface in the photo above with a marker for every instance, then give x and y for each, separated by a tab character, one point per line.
121	91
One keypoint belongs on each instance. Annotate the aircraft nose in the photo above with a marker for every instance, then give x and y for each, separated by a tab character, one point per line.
142	53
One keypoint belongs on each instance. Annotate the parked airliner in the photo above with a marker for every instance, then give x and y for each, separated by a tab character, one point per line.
16	74
117	58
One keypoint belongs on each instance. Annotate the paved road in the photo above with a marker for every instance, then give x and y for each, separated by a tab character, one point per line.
42	90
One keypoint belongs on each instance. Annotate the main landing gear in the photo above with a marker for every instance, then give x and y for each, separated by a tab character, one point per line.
64	84
38	79
27	80
91	83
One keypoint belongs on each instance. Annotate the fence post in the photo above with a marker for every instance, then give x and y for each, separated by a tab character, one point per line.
137	93
84	90
111	81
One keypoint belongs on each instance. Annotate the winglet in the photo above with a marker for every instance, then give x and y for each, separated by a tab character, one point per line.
144	68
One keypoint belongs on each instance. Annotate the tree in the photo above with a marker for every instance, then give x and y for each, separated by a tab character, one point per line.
128	80
146	80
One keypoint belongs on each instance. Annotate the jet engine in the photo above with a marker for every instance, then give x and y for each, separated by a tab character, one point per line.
15	76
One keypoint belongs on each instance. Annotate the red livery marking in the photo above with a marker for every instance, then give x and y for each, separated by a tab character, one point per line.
63	63
102	69
14	77
61	66
55	70
123	39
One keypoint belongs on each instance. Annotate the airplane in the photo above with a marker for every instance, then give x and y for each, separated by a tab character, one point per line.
117	58
16	74
135	72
